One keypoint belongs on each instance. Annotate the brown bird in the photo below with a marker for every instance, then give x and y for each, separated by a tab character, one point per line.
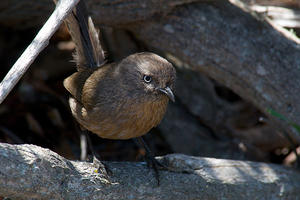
119	100
122	100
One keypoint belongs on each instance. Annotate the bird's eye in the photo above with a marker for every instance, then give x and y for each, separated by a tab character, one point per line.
147	79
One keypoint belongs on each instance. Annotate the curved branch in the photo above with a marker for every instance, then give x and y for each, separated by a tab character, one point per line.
29	13
231	46
28	171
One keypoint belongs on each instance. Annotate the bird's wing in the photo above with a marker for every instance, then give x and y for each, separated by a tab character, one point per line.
75	83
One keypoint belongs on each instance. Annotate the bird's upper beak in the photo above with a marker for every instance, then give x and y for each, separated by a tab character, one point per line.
168	92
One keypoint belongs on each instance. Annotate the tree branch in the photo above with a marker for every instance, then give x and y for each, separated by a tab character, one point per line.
231	46
28	171
18	13
37	45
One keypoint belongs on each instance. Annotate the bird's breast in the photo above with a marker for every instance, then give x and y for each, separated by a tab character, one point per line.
127	121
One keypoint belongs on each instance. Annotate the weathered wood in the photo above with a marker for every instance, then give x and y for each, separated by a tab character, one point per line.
283	13
28	13
28	171
229	45
281	3
285	17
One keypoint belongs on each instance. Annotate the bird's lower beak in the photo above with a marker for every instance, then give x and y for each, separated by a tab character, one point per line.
168	92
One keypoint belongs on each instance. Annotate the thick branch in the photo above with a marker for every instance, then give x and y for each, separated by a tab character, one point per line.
247	55
28	171
29	13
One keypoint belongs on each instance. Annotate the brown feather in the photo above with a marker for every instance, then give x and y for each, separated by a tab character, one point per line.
114	101
89	52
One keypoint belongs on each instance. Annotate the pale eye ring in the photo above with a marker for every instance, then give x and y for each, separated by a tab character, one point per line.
147	78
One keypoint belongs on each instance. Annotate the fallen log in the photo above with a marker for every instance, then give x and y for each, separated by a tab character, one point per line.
29	171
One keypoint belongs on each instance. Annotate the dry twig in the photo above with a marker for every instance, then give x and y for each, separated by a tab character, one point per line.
64	7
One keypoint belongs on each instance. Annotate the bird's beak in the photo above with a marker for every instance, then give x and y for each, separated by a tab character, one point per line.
168	92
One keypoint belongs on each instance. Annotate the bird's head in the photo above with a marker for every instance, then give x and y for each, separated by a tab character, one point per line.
150	74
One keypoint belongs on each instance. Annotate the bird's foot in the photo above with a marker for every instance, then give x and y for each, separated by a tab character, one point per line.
151	161
155	165
101	167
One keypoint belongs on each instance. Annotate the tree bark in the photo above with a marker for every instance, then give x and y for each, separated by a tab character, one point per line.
280	3
231	46
29	171
29	13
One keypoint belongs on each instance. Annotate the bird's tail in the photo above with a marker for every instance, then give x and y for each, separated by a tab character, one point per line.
89	52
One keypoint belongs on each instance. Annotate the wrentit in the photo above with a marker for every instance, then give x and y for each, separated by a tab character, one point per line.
122	100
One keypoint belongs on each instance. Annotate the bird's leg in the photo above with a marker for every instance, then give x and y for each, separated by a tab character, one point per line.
150	159
96	158
83	145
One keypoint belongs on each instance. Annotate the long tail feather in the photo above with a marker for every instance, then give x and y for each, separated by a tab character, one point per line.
89	52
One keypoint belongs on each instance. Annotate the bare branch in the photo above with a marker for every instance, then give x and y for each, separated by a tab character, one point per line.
28	171
37	45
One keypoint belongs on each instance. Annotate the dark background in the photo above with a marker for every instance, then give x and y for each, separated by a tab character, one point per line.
207	118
